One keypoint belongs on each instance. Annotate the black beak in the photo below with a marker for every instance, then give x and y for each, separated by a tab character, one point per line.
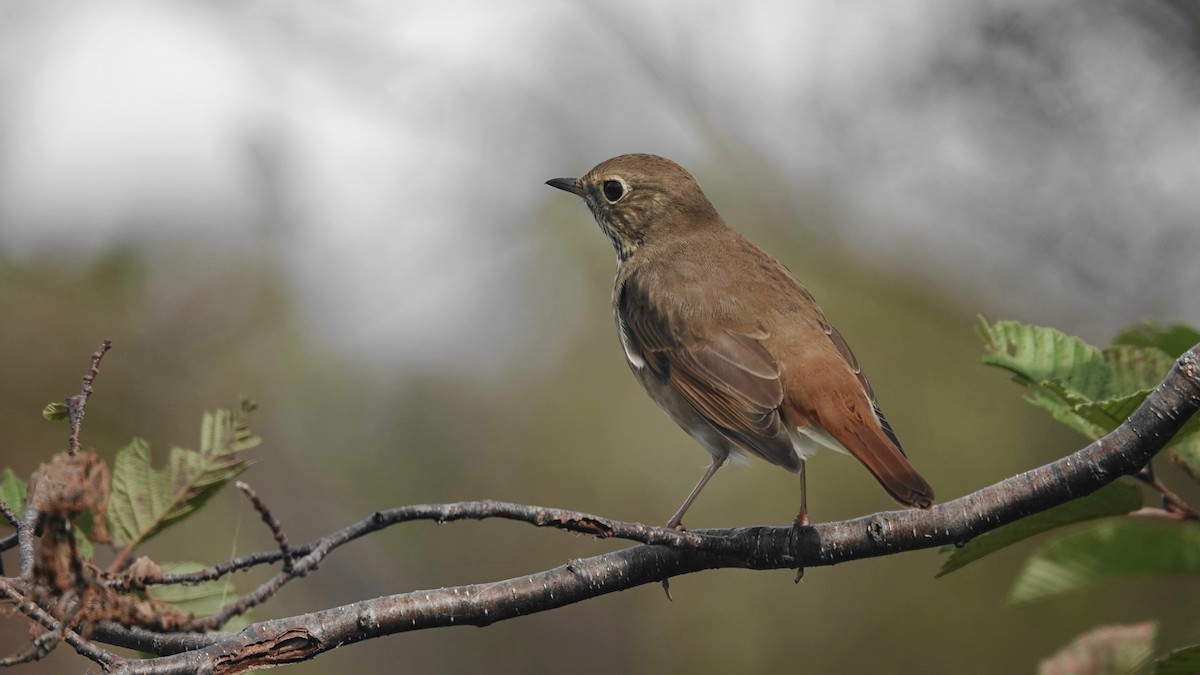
569	184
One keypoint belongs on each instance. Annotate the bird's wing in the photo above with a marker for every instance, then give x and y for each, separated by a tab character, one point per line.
727	375
844	349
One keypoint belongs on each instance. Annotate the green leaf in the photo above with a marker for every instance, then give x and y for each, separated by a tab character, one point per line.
146	500
1118	548
1108	415
1135	369
1074	371
1111	500
55	412
1037	355
1174	340
83	531
202	599
1182	661
12	492
1104	650
1184	451
1090	390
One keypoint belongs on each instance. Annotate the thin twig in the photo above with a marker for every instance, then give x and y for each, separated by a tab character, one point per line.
1171	501
8	514
85	648
77	405
1164	514
26	531
271	521
40	646
11	540
571	521
126	582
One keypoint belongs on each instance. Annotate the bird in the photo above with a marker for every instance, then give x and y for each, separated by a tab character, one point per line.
726	340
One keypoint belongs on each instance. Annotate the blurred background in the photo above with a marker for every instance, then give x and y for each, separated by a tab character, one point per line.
338	209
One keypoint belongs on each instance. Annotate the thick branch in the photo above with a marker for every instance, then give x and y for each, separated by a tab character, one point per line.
1122	452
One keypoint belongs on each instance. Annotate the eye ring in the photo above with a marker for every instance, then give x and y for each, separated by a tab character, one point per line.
613	190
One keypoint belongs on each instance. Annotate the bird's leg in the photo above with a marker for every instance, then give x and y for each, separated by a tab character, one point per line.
676	521
802	516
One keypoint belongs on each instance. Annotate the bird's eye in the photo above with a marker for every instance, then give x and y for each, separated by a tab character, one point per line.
613	190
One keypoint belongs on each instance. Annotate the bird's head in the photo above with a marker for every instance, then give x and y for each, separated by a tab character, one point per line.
636	197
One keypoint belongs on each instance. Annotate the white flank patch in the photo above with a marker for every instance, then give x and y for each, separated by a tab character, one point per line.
807	441
635	359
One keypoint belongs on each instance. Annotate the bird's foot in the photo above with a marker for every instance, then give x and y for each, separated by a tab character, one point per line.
801	519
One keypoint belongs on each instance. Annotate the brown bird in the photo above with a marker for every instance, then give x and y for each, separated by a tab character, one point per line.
726	340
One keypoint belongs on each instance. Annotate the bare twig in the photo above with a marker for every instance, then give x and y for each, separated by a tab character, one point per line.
1151	512
8	514
11	540
271	521
77	405
45	620
1172	502
535	515
571	521
27	530
126	582
39	647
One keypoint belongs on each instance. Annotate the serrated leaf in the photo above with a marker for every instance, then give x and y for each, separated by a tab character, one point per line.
1111	500
1173	340
1182	661
1090	390
1135	369
1104	650
1115	549
12	492
1037	355
55	412
223	431
202	599
146	500
1110	414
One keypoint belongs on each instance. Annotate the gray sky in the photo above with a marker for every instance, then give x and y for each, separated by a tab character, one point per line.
1038	156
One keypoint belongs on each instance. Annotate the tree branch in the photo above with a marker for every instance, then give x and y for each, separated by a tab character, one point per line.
77	405
1122	452
56	630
